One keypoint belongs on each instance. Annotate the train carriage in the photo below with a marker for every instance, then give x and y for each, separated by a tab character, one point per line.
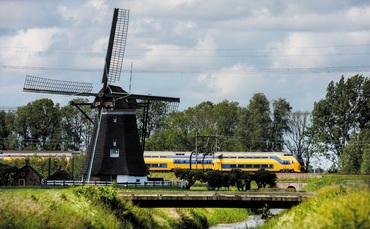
165	161
224	161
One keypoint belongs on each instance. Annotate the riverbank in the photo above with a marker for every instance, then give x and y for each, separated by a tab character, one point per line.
99	207
253	221
333	207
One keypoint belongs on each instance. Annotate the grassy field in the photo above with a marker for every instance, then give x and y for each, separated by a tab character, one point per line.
335	205
99	207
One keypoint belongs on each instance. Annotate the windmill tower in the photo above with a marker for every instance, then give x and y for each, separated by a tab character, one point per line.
115	152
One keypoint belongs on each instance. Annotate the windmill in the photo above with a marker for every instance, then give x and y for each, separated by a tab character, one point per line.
115	152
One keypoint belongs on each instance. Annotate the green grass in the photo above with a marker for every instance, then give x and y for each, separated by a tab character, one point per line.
165	175
328	180
333	207
99	207
22	208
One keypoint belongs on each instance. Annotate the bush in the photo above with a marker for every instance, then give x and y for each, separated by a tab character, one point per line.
264	178
333	207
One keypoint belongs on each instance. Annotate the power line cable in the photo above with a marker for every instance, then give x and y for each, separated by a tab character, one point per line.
333	69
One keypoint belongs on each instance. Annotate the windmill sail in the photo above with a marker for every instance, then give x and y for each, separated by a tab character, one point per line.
116	46
51	86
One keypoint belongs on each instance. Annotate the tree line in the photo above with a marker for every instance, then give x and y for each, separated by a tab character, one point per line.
337	128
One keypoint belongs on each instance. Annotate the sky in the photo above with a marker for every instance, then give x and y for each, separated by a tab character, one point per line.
197	50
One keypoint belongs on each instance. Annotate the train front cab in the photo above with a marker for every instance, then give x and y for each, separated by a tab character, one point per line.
292	163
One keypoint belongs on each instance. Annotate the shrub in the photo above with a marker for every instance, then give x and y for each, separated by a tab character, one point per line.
333	207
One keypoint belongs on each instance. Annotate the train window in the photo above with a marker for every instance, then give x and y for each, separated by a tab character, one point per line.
156	165
114	142
265	166
114	118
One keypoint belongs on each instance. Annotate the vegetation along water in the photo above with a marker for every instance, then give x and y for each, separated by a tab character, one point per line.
335	206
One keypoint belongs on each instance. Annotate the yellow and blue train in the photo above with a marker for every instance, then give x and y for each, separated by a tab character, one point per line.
224	161
165	161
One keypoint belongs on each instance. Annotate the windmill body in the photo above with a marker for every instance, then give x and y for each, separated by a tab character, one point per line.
118	153
116	149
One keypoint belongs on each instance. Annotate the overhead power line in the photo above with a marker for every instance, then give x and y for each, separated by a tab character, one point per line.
333	69
323	50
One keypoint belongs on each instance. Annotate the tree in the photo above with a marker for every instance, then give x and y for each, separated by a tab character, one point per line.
214	179
355	156
201	118
4	132
76	127
190	176
256	124
240	179
38	125
300	140
227	116
365	164
153	117
264	178
343	112
226	180
6	173
280	123
178	130
174	135
10	142
21	127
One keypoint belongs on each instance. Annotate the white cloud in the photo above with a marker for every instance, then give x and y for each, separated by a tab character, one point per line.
28	47
197	50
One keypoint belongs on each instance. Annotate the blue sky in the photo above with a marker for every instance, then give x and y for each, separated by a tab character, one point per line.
197	50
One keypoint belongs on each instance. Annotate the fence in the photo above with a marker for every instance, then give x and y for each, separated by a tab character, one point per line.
48	183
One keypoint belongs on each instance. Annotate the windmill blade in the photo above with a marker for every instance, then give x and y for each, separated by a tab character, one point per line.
148	97
51	86
136	101
116	46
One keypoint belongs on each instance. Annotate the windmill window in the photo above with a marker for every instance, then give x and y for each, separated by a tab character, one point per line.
114	152
114	142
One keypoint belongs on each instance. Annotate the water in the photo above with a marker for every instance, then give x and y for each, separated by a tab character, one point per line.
253	221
